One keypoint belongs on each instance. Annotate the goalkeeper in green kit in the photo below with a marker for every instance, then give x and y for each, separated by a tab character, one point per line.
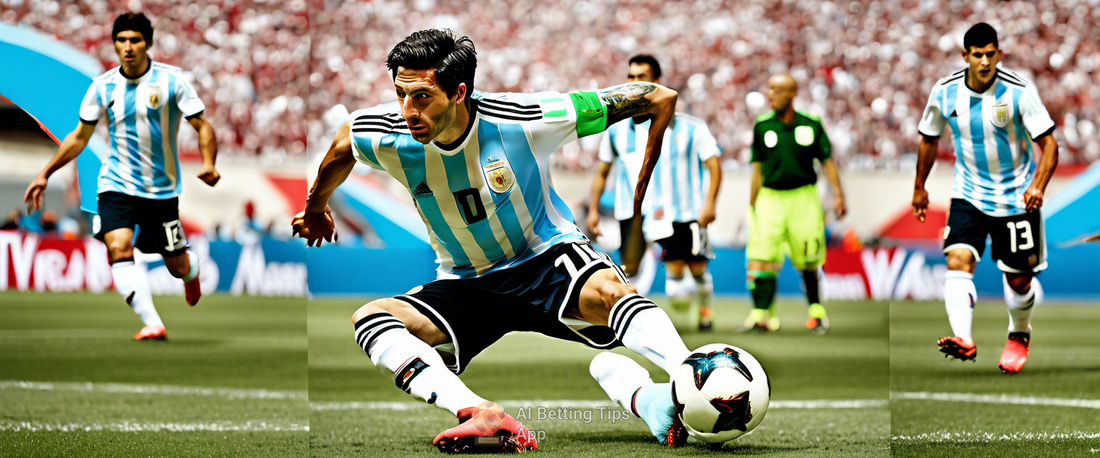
784	208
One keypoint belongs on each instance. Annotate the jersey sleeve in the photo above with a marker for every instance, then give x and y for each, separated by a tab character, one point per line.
187	100
824	147
367	127
90	108
607	152
1034	115
552	119
757	145
705	144
932	121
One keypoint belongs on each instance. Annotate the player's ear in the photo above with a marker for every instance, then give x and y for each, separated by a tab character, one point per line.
460	93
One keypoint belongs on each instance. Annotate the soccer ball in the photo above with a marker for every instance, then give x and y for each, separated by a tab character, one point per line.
720	392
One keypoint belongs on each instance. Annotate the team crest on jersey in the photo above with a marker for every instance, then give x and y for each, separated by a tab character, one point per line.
153	96
1000	115
804	135
498	174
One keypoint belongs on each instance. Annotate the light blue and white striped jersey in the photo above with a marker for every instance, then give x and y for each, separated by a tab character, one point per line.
143	118
487	202
678	187
993	131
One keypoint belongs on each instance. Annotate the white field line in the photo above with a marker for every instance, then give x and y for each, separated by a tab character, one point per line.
132	427
592	404
984	437
997	399
127	388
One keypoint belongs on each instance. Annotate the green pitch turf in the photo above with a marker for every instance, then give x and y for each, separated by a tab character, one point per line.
354	407
943	407
230	381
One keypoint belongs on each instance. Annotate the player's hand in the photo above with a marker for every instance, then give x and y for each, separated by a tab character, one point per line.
209	175
706	216
33	196
1033	199
593	221
920	203
315	227
841	209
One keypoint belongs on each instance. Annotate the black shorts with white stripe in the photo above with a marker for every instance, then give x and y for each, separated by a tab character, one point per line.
531	297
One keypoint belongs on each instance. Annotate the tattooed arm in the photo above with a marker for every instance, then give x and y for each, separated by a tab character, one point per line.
635	99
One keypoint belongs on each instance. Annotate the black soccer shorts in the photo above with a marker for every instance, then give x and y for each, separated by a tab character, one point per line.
155	222
530	297
688	242
1018	243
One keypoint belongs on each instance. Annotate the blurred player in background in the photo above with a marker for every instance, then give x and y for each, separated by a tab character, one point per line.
994	115
510	257
677	210
785	209
139	183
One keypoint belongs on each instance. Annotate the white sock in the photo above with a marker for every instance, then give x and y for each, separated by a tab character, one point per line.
194	272
1020	306
130	282
646	330
619	376
704	288
678	296
417	367
959	296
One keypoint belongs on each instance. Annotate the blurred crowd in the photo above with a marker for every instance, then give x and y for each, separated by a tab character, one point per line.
865	67
246	58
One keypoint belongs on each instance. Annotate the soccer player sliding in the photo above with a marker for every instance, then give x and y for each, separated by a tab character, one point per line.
510	257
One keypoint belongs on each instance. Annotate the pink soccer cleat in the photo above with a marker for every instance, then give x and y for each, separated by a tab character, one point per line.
959	347
152	333
192	291
485	428
1015	354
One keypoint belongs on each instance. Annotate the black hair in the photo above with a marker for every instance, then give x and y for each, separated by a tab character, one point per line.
648	60
452	57
980	36
136	22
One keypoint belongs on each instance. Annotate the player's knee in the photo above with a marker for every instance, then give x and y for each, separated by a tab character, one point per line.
373	307
960	260
1018	283
611	292
120	249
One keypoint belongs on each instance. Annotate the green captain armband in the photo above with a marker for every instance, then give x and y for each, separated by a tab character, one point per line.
591	113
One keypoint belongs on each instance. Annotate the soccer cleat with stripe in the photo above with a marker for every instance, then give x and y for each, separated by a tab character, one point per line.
1015	353
192	291
486	428
152	333
960	348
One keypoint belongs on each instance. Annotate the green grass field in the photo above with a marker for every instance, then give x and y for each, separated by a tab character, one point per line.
357	411
944	407
230	381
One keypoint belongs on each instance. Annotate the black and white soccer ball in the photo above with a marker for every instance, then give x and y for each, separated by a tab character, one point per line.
720	392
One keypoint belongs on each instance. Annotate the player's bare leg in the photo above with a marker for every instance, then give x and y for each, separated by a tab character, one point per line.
399	340
704	290
761	281
641	326
185	266
1022	293
132	284
959	296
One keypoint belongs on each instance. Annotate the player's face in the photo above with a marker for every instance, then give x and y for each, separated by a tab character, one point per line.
640	73
781	92
131	48
425	105
983	64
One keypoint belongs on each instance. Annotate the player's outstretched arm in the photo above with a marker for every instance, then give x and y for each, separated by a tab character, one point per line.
315	222
838	193
598	183
926	157
208	147
1033	197
635	99
70	148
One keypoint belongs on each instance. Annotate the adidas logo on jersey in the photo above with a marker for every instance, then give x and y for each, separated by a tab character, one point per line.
422	190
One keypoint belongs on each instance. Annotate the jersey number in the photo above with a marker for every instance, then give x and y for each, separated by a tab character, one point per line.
469	200
1025	235
173	232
